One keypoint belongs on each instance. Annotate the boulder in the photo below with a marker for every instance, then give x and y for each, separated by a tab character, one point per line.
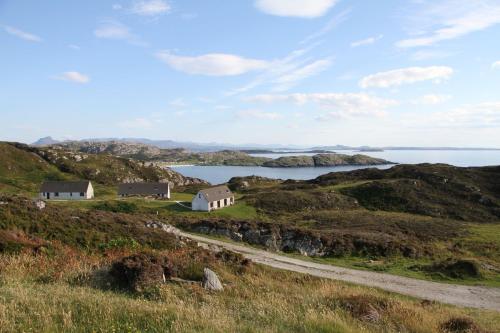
211	280
40	204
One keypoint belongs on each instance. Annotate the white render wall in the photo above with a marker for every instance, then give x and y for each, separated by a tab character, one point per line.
89	194
200	203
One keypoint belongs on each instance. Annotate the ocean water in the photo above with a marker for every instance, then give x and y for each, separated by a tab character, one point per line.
221	174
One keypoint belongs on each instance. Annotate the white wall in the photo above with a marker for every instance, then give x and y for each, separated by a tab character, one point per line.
200	203
89	194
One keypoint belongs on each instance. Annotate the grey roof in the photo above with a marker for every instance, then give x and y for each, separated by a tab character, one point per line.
65	187
216	193
143	188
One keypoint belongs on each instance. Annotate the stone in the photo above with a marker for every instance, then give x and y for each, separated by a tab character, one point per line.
211	280
40	204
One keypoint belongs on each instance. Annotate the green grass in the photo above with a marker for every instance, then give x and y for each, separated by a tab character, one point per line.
261	299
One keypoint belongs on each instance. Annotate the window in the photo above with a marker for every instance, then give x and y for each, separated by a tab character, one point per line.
199	195
82	194
70	194
56	194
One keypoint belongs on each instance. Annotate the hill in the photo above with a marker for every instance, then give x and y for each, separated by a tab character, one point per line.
23	168
92	270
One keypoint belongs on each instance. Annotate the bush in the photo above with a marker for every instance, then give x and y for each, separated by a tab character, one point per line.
141	271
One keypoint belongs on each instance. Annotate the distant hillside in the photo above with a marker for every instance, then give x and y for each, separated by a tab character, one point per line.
438	190
23	168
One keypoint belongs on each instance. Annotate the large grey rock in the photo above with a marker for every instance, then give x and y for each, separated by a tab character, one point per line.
211	280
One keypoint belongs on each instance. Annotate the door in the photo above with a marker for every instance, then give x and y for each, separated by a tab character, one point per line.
48	195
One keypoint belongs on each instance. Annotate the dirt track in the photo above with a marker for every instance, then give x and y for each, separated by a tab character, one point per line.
460	295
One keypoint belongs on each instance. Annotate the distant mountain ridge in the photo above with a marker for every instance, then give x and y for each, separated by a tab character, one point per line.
214	146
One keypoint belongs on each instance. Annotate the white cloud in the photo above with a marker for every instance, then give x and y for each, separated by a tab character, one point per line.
150	7
116	6
137	123
295	8
481	115
258	114
74	47
496	65
22	34
216	64
110	29
292	78
73	77
452	19
367	41
432	99
343	105
408	75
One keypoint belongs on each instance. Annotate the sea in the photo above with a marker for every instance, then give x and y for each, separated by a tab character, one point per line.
463	158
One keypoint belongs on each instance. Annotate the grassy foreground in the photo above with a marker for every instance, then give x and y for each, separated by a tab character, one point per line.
68	292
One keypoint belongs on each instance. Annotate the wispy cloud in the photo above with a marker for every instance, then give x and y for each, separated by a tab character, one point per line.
367	41
404	76
74	47
258	114
73	76
293	77
216	64
429	55
150	7
432	99
341	105
295	8
111	29
482	115
22	34
496	65
451	19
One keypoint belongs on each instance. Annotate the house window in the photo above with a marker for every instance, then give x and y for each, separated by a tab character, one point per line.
225	202
70	194
82	194
199	195
56	194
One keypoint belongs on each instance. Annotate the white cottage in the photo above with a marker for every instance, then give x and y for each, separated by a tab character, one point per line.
79	190
213	198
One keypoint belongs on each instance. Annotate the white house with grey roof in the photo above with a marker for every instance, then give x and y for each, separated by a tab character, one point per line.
61	190
212	198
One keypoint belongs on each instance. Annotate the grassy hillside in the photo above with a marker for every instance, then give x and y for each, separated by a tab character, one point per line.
56	277
24	168
23	171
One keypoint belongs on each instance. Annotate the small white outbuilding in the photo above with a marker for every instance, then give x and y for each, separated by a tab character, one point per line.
212	198
61	190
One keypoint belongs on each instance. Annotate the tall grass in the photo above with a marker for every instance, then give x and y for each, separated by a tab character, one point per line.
69	292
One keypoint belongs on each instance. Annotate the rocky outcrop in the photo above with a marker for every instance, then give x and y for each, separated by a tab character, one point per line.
308	243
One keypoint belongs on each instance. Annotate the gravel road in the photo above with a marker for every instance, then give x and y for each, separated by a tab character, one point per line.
459	295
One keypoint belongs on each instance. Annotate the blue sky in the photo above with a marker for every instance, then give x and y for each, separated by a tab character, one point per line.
307	72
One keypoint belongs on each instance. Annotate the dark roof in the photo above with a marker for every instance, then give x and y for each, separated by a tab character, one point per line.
216	193
142	188
65	187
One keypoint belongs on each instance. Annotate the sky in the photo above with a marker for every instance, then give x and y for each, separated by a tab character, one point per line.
299	72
